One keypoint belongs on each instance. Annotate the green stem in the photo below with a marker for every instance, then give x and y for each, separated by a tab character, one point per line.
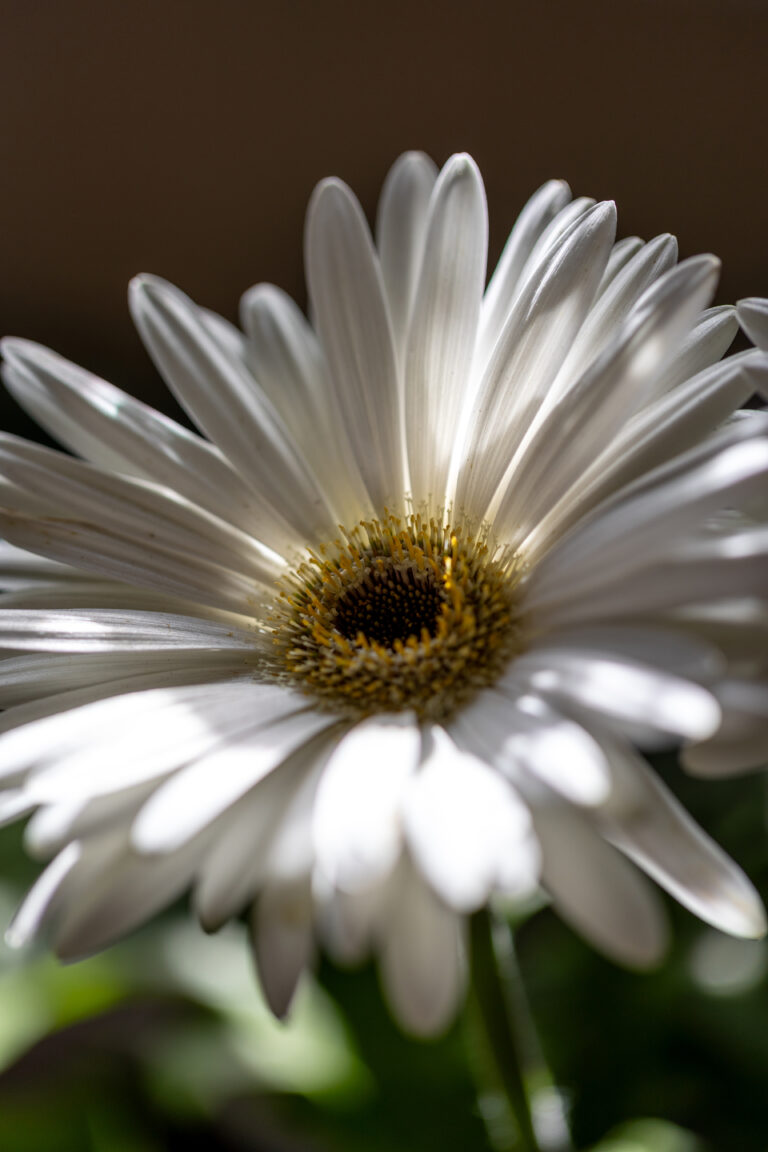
494	1003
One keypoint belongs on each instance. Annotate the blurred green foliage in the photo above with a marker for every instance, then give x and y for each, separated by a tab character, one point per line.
164	1043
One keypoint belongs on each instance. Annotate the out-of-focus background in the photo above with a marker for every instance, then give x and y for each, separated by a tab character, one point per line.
183	137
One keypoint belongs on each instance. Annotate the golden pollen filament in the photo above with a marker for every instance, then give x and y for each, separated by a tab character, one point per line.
399	613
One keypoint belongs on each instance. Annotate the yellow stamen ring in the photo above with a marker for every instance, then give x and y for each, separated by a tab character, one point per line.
399	613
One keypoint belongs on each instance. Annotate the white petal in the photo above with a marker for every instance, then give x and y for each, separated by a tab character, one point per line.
753	317
422	963
129	891
467	830
353	923
621	253
110	630
113	430
349	304
526	739
672	424
504	284
597	892
37	903
612	307
25	679
267	833
645	524
206	669
551	237
229	338
357	815
14	805
668	647
282	940
653	829
566	440
443	324
20	570
741	743
78	753
195	796
701	571
288	363
223	399
537	335
706	344
400	229
646	698
97	550
64	886
53	826
128	507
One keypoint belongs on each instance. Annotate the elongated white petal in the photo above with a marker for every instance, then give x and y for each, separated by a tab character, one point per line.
21	570
352	924
13	805
128	891
289	365
230	338
106	630
557	229
696	572
422	962
621	688
612	307
566	440
401	224
526	739
92	592
33	677
266	835
675	422
99	551
193	797
537	335
349	303
127	507
504	284
753	317
27	921
598	892
223	399
357	816
443	324
741	742
64	885
668	647
283	940
650	826
53	826
467	830
646	523
77	753
621	254
115	431
203	669
708	341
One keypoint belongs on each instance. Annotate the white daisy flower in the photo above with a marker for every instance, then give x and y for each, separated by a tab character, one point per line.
390	636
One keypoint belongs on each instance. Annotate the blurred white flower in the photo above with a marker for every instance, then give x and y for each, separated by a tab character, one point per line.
388	639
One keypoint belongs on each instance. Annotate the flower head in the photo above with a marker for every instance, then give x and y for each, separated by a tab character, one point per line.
390	636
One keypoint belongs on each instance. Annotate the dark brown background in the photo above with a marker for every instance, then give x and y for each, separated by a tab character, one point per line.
183	137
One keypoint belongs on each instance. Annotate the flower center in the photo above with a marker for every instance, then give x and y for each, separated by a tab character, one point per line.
399	613
390	602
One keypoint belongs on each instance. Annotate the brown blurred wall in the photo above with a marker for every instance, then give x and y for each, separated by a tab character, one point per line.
183	137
